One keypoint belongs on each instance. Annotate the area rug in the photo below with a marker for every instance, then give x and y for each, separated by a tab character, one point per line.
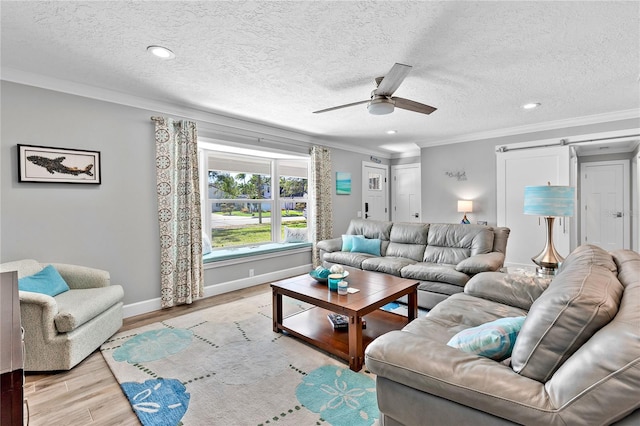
225	366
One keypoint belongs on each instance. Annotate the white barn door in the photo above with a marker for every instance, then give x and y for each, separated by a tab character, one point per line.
515	170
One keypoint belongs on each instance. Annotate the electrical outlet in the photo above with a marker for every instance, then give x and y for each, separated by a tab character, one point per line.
251	272
359	213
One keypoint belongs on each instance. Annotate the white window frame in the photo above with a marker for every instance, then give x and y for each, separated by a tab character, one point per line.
275	200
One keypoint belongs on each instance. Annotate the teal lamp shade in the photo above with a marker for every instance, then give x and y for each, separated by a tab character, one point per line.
549	201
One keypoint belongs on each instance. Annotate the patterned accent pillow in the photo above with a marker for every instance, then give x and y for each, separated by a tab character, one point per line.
493	340
295	235
347	241
48	281
366	245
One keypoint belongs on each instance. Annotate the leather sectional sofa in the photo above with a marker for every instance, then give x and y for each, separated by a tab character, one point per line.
575	360
442	256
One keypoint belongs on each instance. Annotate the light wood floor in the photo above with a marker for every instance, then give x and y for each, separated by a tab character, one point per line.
89	394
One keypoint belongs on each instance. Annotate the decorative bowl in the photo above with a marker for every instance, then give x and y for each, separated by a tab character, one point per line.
321	280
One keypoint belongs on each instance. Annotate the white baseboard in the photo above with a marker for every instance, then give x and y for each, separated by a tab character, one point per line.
151	305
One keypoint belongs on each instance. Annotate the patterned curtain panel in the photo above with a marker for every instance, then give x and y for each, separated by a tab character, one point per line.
322	185
178	189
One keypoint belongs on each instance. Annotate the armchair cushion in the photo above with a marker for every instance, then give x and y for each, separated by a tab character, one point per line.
48	281
77	307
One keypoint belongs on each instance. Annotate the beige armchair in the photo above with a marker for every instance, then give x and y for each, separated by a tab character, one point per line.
61	331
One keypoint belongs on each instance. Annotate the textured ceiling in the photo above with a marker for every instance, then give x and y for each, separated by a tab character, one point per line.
276	62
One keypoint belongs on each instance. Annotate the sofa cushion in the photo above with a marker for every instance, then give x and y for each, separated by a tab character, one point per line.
347	241
583	297
452	243
437	287
493	340
47	281
366	245
510	289
346	258
370	228
387	265
76	307
426	271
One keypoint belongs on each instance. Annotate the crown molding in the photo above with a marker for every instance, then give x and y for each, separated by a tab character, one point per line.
214	121
538	127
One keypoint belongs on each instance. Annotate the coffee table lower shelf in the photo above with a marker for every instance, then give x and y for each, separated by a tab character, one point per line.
314	327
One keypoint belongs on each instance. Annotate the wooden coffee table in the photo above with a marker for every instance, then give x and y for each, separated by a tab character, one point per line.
313	326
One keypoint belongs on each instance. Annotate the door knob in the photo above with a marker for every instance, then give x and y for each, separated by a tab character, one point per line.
617	214
416	215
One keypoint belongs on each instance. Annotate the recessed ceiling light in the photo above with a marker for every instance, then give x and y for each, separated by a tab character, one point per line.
531	105
161	52
392	132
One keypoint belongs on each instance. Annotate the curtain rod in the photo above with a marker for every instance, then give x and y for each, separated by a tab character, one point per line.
564	142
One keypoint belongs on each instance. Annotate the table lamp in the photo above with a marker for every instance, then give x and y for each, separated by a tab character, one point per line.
465	206
549	202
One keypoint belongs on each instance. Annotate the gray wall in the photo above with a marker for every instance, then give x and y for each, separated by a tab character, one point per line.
478	160
112	226
346	207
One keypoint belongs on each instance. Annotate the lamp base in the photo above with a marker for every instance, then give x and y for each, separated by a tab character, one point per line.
544	272
464	220
548	259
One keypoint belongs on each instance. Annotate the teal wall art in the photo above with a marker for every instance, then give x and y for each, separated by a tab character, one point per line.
343	183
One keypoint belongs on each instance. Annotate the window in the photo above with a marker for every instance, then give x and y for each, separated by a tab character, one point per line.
250	199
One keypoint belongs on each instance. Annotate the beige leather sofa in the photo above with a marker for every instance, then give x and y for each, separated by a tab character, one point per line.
576	359
61	331
442	256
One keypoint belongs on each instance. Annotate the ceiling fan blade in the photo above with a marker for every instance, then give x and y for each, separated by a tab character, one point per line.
341	106
412	105
393	79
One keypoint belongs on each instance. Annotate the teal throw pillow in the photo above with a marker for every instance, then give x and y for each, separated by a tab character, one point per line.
493	340
366	245
48	281
347	241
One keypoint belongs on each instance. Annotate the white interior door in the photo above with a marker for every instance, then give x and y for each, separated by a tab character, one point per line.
374	191
604	204
515	170
405	193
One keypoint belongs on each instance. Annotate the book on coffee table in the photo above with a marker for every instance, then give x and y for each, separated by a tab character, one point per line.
341	322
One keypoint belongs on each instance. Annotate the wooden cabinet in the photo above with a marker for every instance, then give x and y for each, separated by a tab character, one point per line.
11	352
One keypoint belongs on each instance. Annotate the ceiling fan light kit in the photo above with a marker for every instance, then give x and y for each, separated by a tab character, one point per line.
381	106
382	102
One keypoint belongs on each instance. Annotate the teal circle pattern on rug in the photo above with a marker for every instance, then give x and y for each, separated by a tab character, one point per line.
158	402
340	396
153	345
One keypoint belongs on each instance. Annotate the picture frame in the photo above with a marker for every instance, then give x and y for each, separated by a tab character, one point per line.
343	183
47	164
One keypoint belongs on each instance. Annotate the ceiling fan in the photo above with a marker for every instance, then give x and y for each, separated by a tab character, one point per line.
382	102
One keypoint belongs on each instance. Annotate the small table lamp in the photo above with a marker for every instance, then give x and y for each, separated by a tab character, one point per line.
550	202
465	206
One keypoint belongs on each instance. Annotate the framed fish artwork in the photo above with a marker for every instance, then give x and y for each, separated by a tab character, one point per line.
58	165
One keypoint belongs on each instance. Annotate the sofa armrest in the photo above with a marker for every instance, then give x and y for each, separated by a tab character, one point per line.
433	367
485	262
78	277
329	246
37	312
510	289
